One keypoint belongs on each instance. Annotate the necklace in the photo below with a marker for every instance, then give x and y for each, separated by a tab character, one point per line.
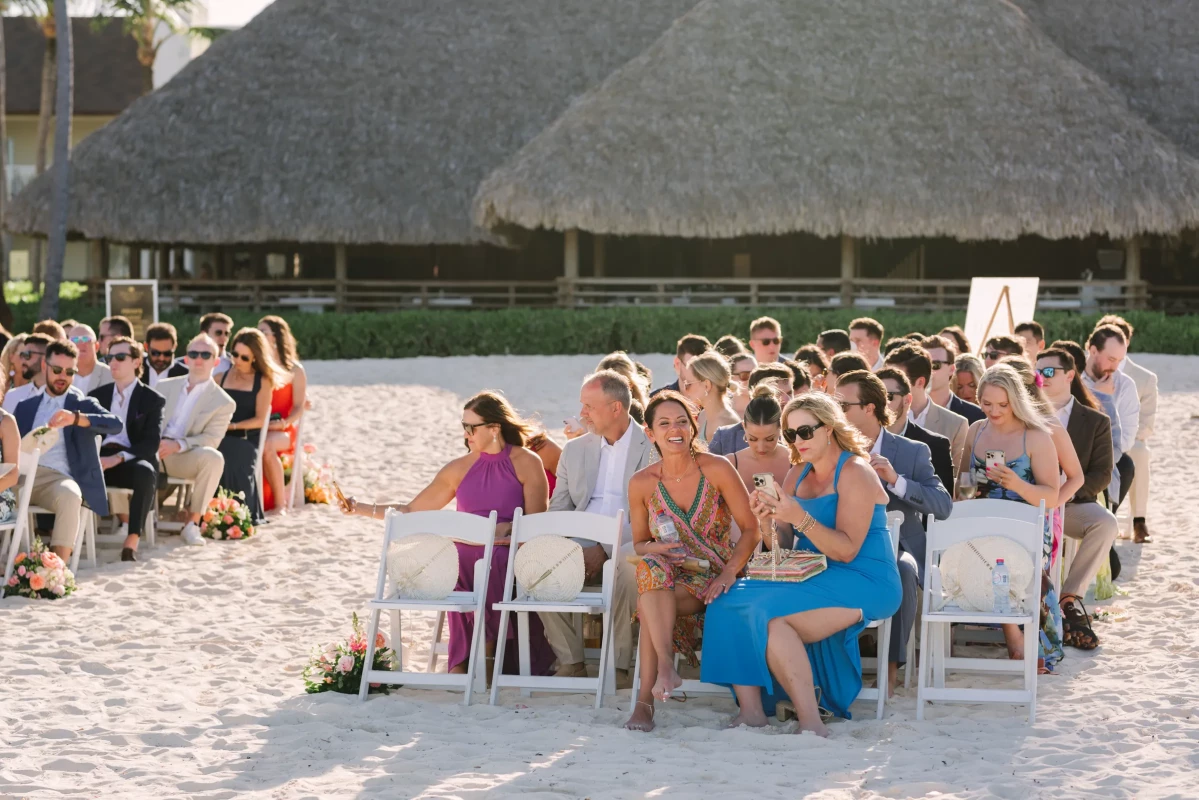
679	479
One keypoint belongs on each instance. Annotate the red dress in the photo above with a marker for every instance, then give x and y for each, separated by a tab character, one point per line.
282	403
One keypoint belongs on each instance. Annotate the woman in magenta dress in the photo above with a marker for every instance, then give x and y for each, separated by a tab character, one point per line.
497	474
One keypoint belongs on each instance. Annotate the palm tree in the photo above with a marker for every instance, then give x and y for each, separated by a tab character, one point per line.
5	312
150	22
43	12
62	166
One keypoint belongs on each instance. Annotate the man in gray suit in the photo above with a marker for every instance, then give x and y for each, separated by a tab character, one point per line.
906	469
593	475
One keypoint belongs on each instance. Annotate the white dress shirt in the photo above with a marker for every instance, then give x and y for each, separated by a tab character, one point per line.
922	418
155	376
120	409
608	496
14	397
85	383
176	428
56	457
880	363
1063	413
1128	406
900	487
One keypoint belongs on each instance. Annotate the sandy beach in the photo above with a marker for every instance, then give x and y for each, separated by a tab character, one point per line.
179	676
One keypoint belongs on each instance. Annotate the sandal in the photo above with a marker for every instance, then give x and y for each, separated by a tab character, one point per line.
1077	624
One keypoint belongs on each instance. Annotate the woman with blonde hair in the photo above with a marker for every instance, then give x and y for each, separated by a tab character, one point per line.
967	372
741	366
772	641
620	362
706	381
8	361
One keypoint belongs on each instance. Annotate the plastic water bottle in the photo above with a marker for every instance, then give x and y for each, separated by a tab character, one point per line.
999	584
667	532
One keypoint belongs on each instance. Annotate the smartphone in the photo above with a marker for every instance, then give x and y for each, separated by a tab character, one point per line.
340	495
995	459
764	482
573	423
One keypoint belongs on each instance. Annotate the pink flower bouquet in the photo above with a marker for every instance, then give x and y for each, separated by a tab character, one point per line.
227	517
338	667
39	574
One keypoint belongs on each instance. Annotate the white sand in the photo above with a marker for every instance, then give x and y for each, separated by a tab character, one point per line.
180	676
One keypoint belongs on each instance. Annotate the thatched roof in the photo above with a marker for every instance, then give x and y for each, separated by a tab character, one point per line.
874	119
351	121
1149	50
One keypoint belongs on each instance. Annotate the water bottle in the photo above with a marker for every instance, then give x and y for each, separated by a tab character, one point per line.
999	584
667	532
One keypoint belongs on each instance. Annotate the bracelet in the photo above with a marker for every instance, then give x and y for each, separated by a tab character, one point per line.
374	510
805	524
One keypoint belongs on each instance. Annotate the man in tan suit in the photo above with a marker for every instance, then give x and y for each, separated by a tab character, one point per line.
593	475
194	421
917	364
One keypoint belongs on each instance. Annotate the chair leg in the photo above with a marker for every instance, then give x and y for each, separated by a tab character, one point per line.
602	676
501	646
884	667
1031	651
926	652
372	630
522	641
438	629
636	673
397	638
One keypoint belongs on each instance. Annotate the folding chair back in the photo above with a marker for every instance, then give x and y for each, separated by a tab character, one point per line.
295	489
883	626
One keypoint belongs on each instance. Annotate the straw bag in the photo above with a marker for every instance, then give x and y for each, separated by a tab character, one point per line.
423	566
789	566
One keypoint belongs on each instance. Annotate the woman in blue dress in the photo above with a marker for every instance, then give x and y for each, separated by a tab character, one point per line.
772	641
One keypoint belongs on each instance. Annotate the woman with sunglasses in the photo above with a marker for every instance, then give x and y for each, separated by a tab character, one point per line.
696	497
498	473
287	406
706	381
250	382
772	641
9	366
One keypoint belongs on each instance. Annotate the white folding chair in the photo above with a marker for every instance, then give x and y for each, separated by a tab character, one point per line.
456	525
883	626
185	487
149	529
259	478
596	528
1024	525
295	489
19	532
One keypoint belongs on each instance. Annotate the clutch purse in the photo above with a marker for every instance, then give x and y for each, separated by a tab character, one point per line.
790	566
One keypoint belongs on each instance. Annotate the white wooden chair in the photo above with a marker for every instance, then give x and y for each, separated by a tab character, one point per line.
259	477
883	627
455	525
295	488
1024	525
149	530
18	531
597	528
185	487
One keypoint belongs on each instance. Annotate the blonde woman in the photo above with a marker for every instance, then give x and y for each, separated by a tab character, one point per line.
742	366
764	638
619	361
967	372
706	381
9	361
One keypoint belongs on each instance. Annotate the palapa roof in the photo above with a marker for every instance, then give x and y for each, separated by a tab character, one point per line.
874	119
344	121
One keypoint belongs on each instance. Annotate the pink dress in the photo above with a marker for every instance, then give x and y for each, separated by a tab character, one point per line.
491	485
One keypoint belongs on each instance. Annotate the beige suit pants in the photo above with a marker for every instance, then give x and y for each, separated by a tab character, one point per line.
1140	479
204	465
564	632
1096	527
60	495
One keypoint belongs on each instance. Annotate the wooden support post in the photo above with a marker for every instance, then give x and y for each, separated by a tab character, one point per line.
598	255
1132	273
570	266
849	264
340	270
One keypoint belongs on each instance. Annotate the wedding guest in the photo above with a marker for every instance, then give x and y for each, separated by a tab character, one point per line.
742	366
69	472
218	326
619	361
548	451
942	353
999	346
647	375
287	406
194	420
497	474
958	337
707	385
899	401
1085	518
10	451
841	364
730	438
9	361
917	364
832	342
967	374
687	348
763	451
1146	383
817	362
773	640
701	495
729	346
766	339
161	341
593	475
1106	349
1107	404
50	328
1032	334
129	457
67	324
894	343
866	335
116	325
92	373
31	369
250	382
801	380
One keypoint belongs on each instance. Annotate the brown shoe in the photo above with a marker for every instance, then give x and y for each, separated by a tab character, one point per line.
1140	532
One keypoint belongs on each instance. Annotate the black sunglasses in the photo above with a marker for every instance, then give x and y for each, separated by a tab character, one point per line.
244	357
1048	372
892	395
805	432
28	354
162	353
743	376
845	406
938	364
71	371
120	356
200	355
775	340
470	428
995	355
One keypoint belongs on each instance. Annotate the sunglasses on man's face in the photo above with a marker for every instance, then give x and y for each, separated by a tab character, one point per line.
805	432
1048	372
892	395
120	356
744	376
219	334
82	339
28	354
199	355
938	364
70	371
845	406
162	353
775	340
994	355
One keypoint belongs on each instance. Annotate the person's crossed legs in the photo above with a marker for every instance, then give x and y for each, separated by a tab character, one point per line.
60	495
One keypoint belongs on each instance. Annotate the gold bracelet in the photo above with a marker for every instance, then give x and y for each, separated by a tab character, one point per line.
805	524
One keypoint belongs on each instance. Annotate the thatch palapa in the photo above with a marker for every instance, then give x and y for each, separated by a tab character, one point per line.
905	118
344	121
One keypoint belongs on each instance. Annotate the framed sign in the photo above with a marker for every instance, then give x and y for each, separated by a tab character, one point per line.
135	299
997	306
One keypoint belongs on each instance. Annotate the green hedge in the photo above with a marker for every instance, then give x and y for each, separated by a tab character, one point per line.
404	334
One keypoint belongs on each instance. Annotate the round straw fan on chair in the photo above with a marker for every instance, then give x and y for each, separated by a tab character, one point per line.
966	572
423	566
550	569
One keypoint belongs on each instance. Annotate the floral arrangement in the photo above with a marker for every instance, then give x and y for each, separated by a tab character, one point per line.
39	574
227	517
338	667
318	478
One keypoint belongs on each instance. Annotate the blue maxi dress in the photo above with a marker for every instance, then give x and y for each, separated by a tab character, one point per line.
735	629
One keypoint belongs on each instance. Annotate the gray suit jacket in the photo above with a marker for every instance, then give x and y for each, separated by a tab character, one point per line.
953	427
924	493
578	471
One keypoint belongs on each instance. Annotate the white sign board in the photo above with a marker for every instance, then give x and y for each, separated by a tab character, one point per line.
997	306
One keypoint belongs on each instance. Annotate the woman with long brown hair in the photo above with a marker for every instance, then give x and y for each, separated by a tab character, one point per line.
498	473
287	406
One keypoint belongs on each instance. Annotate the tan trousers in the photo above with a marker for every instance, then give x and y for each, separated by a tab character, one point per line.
564	632
60	495
1096	527
1140	480
204	465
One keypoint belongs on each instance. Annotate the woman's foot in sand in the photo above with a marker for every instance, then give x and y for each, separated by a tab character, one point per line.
642	719
755	720
820	729
668	681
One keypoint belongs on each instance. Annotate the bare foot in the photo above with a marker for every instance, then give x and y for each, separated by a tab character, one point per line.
642	719
1015	653
820	729
668	681
757	720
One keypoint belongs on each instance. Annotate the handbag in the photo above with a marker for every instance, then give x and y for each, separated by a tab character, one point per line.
788	566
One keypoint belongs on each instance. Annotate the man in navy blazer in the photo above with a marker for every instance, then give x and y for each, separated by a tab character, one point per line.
68	472
906	469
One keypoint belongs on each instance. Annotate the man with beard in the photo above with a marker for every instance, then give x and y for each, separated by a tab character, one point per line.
1106	348
161	341
30	360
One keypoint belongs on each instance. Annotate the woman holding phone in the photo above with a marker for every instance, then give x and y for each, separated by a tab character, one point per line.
766	454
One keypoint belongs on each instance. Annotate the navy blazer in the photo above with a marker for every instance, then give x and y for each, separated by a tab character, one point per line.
82	453
176	370
964	408
924	494
143	420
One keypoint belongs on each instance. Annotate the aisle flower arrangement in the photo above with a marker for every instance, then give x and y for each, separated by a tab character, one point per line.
338	667
227	517
39	575
318	478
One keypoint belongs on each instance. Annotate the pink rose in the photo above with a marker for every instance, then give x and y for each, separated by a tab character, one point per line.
51	560
227	519
345	664
357	645
380	640
235	532
236	506
13	581
21	570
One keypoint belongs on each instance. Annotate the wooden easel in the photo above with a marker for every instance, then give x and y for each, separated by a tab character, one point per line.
1004	296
